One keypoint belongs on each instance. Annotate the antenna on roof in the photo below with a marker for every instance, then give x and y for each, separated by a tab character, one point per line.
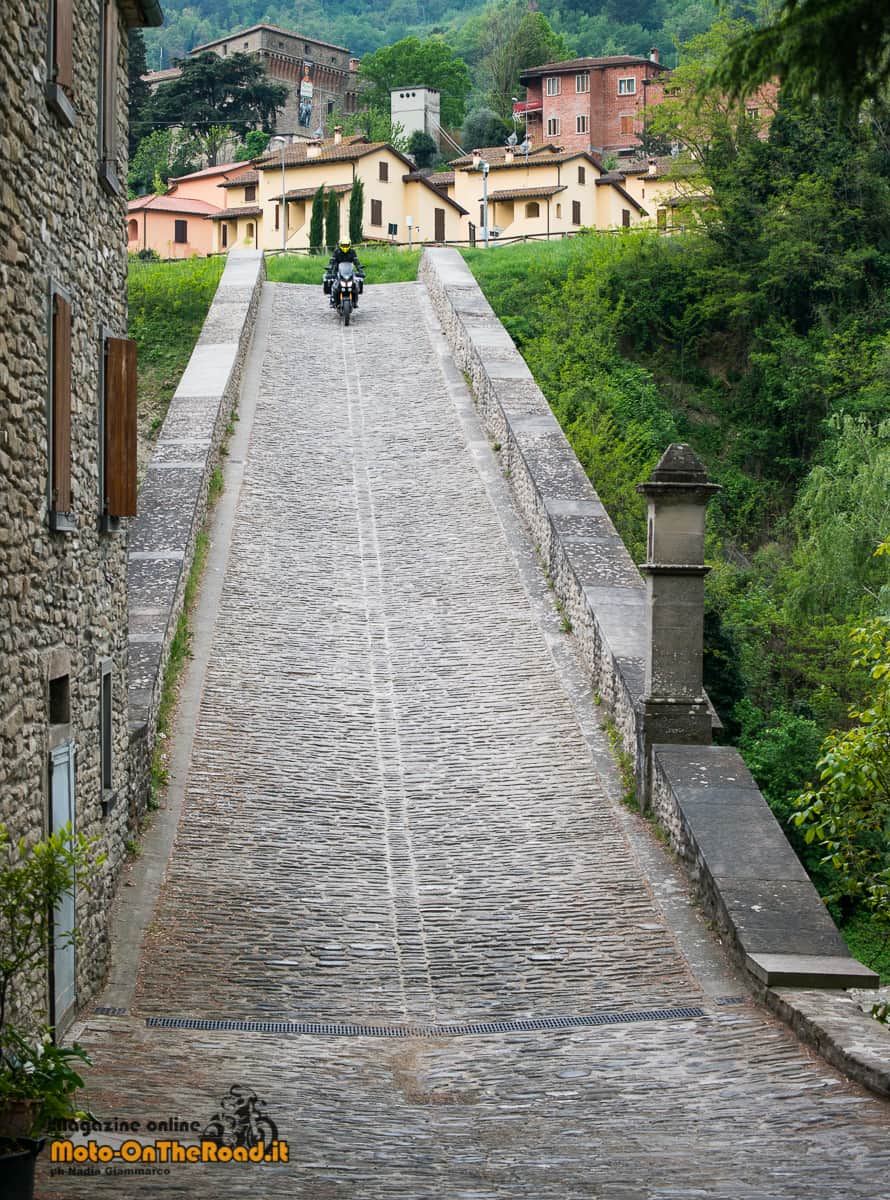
525	146
319	133
512	139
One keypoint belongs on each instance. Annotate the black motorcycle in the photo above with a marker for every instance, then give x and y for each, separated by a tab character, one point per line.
344	288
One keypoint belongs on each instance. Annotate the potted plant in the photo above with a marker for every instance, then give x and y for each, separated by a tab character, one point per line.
38	1079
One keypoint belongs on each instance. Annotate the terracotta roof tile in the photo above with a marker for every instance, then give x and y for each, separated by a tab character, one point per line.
240	180
531	193
172	204
249	210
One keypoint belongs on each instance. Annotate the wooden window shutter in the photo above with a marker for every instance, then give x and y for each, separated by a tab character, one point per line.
60	451
120	427
63	43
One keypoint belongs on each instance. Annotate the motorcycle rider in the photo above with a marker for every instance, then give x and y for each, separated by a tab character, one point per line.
343	253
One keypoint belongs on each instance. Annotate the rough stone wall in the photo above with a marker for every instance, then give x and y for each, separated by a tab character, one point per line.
173	499
62	595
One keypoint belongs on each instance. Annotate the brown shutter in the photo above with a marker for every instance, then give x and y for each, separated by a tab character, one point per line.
439	221
60	453
63	38
120	427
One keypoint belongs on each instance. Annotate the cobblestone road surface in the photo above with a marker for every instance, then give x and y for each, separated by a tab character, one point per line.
392	818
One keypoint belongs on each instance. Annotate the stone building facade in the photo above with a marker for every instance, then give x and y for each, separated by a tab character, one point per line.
67	403
321	78
594	104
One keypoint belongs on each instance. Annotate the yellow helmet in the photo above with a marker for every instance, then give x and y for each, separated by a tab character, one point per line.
344	246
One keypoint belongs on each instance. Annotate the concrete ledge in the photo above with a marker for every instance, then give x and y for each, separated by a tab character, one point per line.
835	1026
810	971
173	499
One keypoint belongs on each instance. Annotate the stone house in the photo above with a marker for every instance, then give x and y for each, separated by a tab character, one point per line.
394	191
67	450
321	78
549	191
590	103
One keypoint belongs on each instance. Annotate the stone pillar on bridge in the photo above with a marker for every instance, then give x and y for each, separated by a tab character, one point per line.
673	708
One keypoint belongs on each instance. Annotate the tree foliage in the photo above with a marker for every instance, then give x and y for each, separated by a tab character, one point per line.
213	92
316	221
848	812
422	148
836	49
138	91
332	222
356	209
483	127
414	63
513	39
254	144
163	155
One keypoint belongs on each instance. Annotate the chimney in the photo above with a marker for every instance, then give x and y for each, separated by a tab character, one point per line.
653	54
338	134
313	148
653	166
477	159
354	64
508	156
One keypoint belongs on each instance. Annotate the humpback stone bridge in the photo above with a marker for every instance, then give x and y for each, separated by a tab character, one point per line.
394	892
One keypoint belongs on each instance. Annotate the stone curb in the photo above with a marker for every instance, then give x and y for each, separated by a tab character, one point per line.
173	500
604	596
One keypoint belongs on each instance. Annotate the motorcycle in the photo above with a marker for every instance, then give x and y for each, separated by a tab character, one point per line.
345	288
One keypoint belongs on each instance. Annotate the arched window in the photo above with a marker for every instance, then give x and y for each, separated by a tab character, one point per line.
132	230
533	209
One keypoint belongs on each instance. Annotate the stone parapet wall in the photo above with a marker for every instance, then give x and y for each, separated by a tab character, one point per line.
173	499
749	879
590	569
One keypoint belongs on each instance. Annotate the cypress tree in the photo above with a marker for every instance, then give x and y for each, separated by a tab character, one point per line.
356	205
316	221
332	222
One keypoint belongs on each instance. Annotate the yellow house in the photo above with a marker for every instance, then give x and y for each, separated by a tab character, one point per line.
666	186
549	191
281	185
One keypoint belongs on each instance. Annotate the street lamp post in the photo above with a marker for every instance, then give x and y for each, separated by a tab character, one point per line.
484	169
282	142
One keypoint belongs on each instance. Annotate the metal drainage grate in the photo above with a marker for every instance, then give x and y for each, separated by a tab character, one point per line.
110	1012
723	1000
324	1029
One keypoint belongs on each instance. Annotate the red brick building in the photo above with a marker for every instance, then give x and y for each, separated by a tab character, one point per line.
594	104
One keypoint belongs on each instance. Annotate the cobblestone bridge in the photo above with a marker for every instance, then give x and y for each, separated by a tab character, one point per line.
399	816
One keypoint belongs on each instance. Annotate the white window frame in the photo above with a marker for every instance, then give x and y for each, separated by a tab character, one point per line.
553	126
581	123
582	82
553	85
627	85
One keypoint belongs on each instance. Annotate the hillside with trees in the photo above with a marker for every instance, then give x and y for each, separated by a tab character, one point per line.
588	26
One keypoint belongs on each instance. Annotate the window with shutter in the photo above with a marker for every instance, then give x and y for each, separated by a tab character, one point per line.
60	80
376	212
384	172
180	232
119	458
576	212
60	415
249	193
